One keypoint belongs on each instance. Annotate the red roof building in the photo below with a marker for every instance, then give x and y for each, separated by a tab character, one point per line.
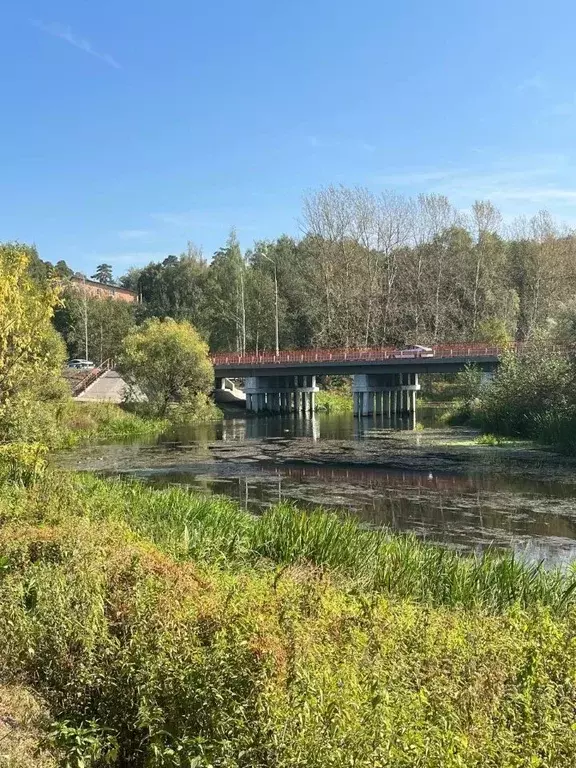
96	290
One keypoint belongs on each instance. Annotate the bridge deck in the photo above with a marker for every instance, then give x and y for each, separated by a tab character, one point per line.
446	358
379	354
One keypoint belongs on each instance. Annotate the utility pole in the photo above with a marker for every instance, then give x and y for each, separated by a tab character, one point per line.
277	322
243	308
276	303
85	320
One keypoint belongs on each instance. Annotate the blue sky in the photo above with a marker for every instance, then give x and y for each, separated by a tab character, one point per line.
130	127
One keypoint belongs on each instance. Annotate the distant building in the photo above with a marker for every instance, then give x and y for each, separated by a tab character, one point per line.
97	290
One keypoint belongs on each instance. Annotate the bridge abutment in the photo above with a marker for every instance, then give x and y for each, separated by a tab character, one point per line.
281	394
389	394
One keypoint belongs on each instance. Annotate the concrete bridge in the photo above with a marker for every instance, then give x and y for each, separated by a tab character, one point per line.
385	380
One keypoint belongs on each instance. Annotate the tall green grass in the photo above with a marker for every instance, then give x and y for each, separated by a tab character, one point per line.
164	629
81	422
557	428
215	529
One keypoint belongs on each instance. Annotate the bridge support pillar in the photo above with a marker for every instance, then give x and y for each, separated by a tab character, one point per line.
390	394
366	397
281	394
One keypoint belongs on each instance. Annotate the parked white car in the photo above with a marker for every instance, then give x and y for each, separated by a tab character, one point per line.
416	350
79	362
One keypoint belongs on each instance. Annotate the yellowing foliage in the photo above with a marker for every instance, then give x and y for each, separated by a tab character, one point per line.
30	350
26	308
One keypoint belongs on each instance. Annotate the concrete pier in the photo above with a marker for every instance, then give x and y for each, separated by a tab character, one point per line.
389	395
281	394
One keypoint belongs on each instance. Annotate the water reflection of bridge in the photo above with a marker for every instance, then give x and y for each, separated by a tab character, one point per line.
467	512
307	427
373	477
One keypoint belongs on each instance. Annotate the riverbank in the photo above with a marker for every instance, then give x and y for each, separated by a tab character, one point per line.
83	422
159	627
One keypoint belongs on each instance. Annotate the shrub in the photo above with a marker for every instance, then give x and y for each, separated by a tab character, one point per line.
533	395
526	386
167	361
22	462
334	402
152	663
488	439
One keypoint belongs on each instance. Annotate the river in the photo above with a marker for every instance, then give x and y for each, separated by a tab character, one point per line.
434	481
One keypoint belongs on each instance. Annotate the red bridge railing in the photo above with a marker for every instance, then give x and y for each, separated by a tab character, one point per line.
369	354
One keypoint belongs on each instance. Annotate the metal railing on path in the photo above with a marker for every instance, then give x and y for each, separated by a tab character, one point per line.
91	377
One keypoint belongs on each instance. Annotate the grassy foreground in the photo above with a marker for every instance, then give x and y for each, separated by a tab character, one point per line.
160	628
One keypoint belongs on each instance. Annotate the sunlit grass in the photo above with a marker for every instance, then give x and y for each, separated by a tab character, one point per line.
162	628
216	529
104	421
334	401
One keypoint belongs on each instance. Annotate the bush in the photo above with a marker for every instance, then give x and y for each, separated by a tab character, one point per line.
527	386
151	662
199	408
334	402
488	439
22	462
168	362
533	395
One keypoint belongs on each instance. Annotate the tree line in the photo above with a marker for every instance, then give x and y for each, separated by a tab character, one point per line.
369	269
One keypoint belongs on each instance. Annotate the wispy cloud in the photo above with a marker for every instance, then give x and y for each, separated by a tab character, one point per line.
541	180
134	234
534	83
65	33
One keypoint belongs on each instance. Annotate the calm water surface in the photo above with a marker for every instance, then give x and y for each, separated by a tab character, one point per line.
461	503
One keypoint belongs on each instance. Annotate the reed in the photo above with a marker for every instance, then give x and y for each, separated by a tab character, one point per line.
162	629
215	529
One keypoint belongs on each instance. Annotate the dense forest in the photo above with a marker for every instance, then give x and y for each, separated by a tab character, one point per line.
369	269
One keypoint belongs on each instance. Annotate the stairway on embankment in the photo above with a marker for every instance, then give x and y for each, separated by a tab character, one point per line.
108	387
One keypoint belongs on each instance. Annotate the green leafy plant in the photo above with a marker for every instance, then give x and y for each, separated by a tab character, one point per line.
84	745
